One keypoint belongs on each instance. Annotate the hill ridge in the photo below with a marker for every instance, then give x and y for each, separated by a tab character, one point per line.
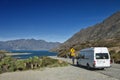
27	44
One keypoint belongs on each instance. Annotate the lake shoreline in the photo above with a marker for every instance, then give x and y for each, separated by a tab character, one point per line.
13	54
27	54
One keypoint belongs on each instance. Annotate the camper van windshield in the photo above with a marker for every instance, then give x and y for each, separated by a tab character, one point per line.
102	56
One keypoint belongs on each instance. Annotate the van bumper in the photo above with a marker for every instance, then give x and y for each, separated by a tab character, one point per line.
101	66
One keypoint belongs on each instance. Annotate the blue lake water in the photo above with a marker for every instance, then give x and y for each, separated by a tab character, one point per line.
24	54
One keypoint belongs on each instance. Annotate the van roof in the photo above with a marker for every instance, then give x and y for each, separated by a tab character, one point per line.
92	48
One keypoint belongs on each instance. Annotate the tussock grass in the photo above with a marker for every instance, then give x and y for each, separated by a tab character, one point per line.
9	64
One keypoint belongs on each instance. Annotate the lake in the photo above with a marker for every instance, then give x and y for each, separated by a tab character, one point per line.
24	54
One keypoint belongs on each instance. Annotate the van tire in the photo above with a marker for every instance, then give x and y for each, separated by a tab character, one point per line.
77	63
102	68
88	66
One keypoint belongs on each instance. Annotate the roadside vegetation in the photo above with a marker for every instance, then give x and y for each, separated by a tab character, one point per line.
115	56
2	54
9	64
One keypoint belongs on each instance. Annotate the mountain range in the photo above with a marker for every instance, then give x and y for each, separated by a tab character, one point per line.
106	33
27	44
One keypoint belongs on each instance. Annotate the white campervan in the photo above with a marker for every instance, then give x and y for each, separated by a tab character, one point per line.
95	57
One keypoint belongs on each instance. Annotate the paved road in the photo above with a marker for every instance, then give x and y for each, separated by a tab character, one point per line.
113	71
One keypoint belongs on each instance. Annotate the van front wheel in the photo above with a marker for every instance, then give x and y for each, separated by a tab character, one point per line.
77	63
88	66
102	68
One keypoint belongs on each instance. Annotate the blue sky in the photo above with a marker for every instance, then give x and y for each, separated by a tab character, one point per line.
51	20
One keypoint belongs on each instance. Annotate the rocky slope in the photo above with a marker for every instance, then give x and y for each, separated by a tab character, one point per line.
106	33
108	29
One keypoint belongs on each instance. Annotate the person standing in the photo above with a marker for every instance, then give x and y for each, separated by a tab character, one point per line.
72	54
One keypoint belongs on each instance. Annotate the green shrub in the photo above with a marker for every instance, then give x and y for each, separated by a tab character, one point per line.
115	56
0	68
47	61
6	63
20	65
34	62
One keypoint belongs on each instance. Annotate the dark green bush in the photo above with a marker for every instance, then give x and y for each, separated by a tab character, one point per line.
20	65
33	63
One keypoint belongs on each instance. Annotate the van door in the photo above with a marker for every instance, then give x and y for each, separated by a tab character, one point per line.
102	60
